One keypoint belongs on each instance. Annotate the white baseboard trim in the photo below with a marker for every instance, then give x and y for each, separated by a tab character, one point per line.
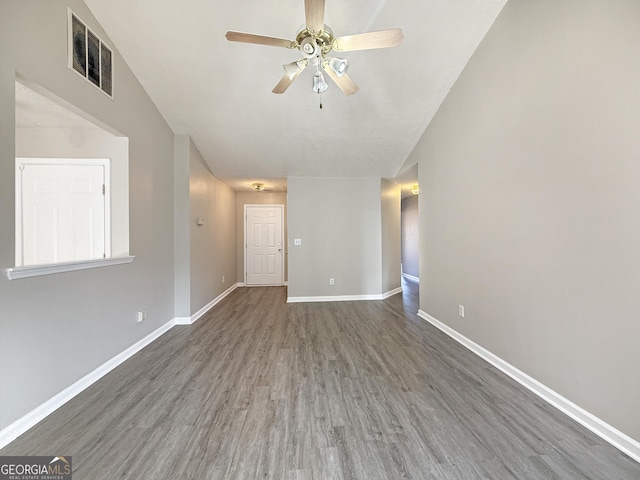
391	293
196	316
20	426
243	284
411	277
334	298
605	431
344	298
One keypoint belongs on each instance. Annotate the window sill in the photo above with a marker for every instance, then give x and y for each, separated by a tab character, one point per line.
38	270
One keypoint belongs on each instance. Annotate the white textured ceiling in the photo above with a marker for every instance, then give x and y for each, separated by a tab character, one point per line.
34	110
219	92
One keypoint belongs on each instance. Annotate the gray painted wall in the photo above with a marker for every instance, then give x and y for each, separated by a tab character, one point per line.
410	236
529	211
390	194
256	198
339	223
55	329
182	225
213	245
203	254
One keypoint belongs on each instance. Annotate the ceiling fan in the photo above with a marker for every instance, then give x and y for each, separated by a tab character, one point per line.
315	41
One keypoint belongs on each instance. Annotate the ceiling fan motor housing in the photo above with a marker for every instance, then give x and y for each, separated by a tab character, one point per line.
309	48
313	44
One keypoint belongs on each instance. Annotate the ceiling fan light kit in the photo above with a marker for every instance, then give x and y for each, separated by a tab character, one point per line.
338	65
294	68
315	42
319	83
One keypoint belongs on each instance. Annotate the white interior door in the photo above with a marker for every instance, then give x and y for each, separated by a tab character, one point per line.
263	240
62	214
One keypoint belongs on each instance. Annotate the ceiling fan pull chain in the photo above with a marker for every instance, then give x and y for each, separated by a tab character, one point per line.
320	90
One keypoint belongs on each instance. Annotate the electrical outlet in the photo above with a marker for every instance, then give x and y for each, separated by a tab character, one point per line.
461	310
222	278
297	241
331	281
142	315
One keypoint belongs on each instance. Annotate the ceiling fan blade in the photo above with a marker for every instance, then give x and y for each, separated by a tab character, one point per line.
343	81
259	39
288	78
284	83
314	14
367	41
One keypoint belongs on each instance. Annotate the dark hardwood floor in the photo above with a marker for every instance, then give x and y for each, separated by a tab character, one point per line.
348	390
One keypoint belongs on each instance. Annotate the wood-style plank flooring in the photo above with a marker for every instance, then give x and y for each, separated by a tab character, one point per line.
348	390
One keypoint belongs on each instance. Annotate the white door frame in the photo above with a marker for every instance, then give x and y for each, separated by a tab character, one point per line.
279	205
103	162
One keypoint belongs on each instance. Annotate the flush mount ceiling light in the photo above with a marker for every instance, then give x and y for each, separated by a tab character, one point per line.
314	42
258	187
415	189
